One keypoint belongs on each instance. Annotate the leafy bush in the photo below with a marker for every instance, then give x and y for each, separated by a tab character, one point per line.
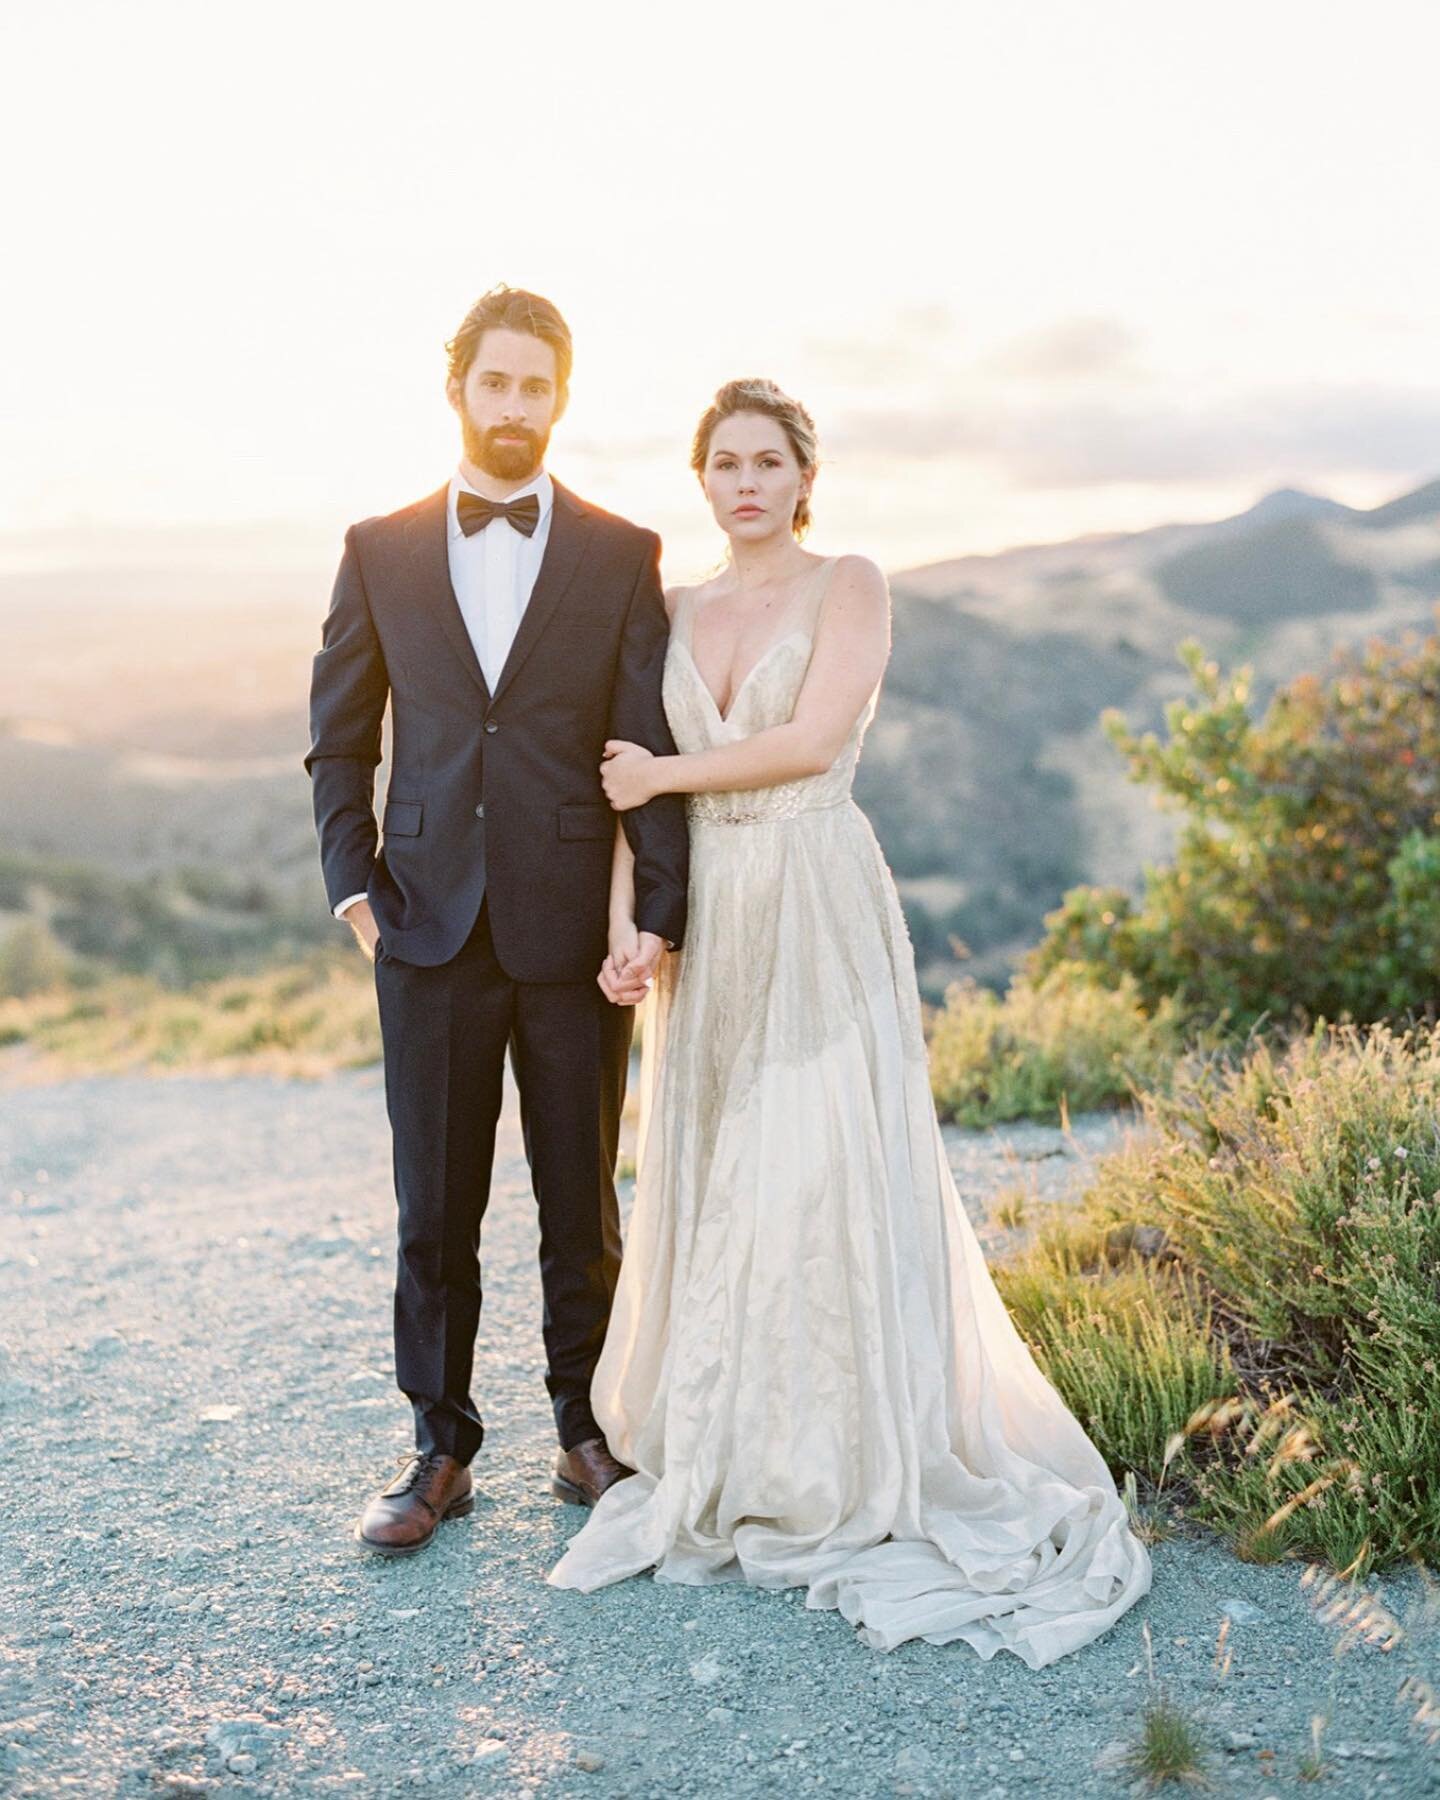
1282	1223
1066	1040
1305	881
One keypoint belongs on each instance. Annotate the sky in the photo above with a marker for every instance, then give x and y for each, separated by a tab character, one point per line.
1036	270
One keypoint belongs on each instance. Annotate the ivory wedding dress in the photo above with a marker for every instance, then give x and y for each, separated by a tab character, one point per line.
808	1365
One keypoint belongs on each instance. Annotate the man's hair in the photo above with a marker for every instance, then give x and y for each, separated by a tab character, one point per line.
512	309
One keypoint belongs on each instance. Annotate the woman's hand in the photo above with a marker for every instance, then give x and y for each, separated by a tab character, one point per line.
628	775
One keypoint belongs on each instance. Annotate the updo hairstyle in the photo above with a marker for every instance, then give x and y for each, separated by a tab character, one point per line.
756	395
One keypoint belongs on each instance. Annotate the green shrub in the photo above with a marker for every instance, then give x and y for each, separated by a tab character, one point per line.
1288	1202
1066	1041
32	960
1305	880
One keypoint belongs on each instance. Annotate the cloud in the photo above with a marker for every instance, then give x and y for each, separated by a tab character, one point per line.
1069	350
1075	441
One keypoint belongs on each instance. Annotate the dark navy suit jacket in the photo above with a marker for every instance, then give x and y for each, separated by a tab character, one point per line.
499	794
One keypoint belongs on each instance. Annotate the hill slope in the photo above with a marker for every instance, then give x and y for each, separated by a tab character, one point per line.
156	719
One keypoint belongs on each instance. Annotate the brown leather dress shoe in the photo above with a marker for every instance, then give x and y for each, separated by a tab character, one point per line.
402	1518
583	1473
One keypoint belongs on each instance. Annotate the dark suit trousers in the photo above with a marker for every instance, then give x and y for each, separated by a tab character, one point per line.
445	1031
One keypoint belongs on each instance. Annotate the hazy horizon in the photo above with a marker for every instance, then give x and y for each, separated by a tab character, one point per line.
256	549
1037	273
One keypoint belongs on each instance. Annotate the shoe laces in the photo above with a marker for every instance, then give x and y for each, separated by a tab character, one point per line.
413	1468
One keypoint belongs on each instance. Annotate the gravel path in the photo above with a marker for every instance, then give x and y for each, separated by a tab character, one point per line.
195	1400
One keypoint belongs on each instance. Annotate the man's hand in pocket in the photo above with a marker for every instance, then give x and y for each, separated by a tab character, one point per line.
361	921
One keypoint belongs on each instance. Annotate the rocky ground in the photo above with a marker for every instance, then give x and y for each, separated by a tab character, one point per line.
195	1399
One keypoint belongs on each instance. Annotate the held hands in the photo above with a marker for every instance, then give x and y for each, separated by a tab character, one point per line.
628	774
630	967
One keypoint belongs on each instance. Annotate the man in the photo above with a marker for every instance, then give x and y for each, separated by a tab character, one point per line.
513	629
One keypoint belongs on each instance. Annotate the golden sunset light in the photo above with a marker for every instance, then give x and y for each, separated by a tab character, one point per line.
719	899
1036	271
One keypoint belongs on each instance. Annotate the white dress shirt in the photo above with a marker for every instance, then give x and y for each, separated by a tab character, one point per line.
493	574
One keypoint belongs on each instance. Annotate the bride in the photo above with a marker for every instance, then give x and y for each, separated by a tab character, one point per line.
808	1367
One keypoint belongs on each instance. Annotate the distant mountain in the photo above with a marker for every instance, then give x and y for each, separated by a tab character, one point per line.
142	746
990	782
1289	503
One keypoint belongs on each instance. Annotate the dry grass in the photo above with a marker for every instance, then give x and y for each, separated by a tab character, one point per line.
307	1019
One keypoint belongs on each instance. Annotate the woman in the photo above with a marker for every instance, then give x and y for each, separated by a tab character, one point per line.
808	1365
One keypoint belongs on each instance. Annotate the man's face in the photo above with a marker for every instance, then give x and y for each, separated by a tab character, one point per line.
507	404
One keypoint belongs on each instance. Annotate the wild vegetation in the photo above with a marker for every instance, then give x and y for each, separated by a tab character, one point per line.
1245	1310
1307	878
302	1018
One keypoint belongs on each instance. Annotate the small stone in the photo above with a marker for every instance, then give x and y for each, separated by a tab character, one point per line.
242	1763
489	1750
707	1671
1236	1741
589	1761
720	1715
1242	1612
219	1415
1017	1754
370	1678
1113	1755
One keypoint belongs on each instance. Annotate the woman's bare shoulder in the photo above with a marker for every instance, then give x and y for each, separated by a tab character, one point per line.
857	586
700	590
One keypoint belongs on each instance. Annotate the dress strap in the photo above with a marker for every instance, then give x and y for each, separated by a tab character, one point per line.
680	619
819	588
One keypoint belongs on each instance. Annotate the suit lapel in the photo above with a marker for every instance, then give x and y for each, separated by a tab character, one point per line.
569	533
425	540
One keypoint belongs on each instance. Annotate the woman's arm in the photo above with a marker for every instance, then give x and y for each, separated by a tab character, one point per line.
624	976
852	645
622	899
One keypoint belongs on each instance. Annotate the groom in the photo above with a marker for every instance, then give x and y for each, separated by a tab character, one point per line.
512	628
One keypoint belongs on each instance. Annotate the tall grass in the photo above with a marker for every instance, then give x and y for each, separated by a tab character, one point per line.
1066	1042
305	1018
1248	1303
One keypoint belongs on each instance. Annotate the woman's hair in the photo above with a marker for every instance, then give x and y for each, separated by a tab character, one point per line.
512	309
756	395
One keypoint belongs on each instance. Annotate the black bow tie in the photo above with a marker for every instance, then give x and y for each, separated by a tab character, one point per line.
476	513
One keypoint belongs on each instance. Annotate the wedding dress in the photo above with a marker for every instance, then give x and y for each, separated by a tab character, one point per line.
808	1365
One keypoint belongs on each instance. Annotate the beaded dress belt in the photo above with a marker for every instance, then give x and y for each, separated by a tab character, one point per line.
753	815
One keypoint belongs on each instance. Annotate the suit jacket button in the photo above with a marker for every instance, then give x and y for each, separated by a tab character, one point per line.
490	725
480	811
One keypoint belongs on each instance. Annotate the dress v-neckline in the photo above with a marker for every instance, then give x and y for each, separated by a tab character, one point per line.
764	656
785	637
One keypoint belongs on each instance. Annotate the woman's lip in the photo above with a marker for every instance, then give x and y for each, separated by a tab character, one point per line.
743	511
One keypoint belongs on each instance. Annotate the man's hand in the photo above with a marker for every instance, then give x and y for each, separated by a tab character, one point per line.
361	921
627	985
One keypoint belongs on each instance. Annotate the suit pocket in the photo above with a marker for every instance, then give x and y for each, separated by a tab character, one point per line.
585	821
403	818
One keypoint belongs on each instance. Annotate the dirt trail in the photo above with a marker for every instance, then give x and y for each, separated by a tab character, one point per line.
195	1399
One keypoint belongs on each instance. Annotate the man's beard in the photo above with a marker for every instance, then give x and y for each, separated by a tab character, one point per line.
506	462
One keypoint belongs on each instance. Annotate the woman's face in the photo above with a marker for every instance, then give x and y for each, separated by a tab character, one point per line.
752	477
